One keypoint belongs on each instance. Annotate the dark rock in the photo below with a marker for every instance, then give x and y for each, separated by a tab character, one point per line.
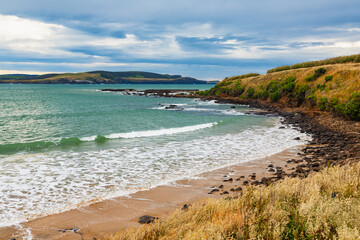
246	182
255	183
228	180
233	106
297	138
271	166
238	189
213	190
75	230
232	190
221	186
186	206
225	192
146	219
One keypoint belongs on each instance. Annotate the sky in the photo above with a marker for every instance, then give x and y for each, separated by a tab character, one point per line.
205	39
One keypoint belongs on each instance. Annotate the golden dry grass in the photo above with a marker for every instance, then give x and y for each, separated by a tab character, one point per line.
325	205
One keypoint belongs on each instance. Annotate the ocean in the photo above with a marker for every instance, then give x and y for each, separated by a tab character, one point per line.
66	146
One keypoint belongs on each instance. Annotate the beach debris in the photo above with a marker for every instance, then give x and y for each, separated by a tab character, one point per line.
271	166
146	219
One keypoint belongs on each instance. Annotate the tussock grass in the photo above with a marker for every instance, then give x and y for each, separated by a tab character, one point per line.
336	60
325	205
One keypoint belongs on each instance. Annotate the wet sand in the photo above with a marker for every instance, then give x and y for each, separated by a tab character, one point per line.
110	216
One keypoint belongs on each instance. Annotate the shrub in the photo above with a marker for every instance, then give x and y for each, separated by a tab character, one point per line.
333	103
310	78
312	99
300	92
321	87
264	94
318	73
237	90
250	92
273	86
352	108
289	87
323	103
202	93
328	78
275	96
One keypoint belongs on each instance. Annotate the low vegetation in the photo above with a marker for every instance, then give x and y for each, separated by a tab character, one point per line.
334	88
335	60
325	205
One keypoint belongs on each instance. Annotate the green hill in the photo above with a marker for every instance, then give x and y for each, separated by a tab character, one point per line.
334	87
97	77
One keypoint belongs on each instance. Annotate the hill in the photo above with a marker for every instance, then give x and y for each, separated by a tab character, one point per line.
334	88
97	77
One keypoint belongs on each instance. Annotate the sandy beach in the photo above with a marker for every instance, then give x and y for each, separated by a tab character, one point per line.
109	216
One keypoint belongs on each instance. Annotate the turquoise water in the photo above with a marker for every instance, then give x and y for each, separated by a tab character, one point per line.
62	146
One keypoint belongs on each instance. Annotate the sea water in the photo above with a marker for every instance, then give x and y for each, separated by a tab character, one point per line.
66	146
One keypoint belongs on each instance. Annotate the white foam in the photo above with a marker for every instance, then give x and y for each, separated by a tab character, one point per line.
153	133
47	183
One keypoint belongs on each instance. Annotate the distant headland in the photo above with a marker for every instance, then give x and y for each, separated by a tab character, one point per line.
101	77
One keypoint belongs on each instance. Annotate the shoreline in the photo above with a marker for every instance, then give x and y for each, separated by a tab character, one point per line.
331	145
109	216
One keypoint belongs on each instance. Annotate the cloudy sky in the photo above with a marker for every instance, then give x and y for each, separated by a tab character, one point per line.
206	39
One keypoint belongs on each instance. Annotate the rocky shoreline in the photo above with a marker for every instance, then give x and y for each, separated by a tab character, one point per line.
334	144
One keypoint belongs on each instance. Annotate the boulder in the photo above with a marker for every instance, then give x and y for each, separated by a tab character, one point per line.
146	219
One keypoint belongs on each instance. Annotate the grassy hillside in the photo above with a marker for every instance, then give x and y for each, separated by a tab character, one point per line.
325	205
334	88
336	60
100	77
